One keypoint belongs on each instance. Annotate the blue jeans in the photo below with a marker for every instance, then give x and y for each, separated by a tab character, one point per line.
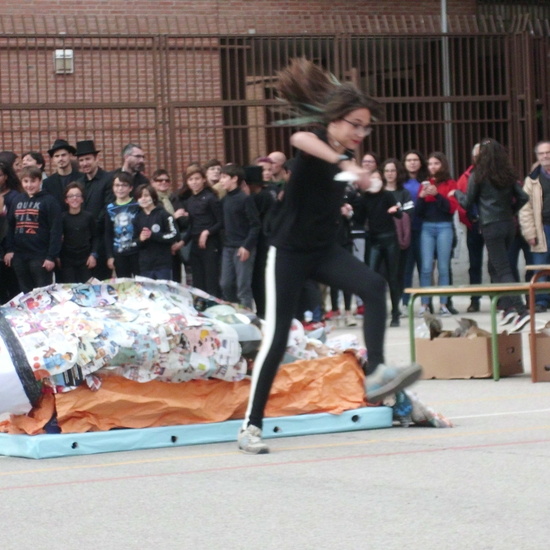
236	278
540	258
436	237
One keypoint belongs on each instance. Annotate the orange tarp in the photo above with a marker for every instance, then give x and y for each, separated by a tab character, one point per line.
328	384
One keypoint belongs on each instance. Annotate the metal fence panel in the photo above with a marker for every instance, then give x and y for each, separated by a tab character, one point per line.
190	98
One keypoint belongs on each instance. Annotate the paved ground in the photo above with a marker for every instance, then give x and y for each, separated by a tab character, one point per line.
480	485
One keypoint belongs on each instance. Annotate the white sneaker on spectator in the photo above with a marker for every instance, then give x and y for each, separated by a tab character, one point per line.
422	311
444	311
507	316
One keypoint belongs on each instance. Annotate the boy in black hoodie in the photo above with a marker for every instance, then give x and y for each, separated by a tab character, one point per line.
241	224
33	241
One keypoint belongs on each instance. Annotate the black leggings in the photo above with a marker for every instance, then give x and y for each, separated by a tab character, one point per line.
286	273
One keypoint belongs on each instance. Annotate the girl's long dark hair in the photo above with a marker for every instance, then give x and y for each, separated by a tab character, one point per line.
493	165
12	181
401	172
444	173
423	171
315	96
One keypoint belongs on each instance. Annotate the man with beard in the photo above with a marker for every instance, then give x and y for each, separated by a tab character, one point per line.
133	164
61	154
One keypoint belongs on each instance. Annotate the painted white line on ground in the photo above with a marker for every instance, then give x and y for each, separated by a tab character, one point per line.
499	414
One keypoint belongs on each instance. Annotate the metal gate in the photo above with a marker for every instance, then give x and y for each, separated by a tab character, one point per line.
187	98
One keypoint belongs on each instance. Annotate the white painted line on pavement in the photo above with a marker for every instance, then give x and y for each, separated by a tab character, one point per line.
499	414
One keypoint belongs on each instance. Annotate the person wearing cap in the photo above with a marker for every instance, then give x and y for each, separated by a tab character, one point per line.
61	153
98	193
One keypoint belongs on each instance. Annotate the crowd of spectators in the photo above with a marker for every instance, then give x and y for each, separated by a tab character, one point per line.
211	229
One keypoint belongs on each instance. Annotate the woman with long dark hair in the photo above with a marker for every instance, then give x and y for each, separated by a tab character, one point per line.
394	177
303	238
494	188
436	208
416	168
10	188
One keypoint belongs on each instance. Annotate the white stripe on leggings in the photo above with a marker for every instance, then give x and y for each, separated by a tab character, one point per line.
269	326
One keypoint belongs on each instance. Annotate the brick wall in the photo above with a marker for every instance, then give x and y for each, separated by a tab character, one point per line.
273	11
167	92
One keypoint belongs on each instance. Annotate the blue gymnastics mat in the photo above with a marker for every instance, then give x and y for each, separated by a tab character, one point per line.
57	445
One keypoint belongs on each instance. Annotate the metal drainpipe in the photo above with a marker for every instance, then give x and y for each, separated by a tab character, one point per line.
447	112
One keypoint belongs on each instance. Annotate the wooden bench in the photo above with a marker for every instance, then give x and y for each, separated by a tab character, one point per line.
494	292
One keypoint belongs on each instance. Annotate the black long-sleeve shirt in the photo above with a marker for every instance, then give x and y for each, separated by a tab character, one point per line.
80	238
205	212
241	220
308	217
56	183
374	208
155	252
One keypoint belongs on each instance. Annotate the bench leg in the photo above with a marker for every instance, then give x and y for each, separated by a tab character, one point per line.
494	338
410	306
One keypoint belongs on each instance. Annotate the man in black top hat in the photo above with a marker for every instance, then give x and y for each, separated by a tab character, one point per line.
98	193
61	154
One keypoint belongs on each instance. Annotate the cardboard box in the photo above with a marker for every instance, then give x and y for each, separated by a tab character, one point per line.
543	358
447	358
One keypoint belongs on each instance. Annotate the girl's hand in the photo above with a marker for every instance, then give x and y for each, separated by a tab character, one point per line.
203	238
145	234
180	212
431	190
346	210
91	262
393	209
243	254
363	180
176	246
8	258
48	265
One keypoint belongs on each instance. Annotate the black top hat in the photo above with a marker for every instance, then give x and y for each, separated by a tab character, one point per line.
61	144
253	175
86	147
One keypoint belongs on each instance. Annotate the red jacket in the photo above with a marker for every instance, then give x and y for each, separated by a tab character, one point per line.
462	185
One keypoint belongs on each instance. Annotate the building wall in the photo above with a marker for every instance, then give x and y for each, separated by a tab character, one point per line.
139	76
274	12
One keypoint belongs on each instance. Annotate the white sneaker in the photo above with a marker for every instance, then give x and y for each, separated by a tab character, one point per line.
250	441
386	380
521	321
351	321
422	311
444	311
